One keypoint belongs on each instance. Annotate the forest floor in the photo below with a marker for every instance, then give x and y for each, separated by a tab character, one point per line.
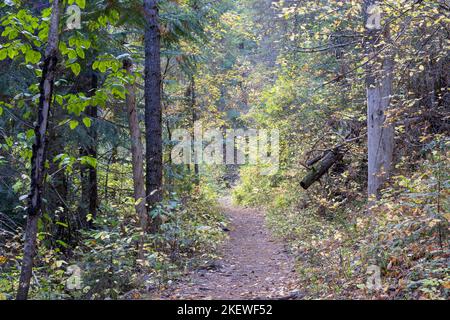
253	264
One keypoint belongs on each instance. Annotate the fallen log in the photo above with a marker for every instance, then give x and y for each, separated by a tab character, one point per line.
313	161
322	167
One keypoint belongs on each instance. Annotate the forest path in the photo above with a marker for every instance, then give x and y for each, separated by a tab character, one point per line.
253	265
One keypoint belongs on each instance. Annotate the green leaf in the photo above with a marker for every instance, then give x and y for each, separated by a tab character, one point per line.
115	65
17	186
30	134
76	68
63	47
12	53
80	52
43	34
86	43
59	99
87	122
32	56
9	141
81	3
102	66
72	53
62	243
62	224
72	41
102	20
3	54
73	124
89	161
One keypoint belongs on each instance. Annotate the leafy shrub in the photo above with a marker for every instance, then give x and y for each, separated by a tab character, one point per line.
106	256
254	189
335	238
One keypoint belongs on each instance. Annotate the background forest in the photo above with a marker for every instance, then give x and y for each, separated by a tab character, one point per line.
93	207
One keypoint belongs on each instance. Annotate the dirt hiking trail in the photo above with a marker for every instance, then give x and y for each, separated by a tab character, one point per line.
254	265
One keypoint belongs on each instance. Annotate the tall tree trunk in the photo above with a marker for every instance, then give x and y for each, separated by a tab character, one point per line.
153	110
195	118
92	151
380	134
137	153
89	183
39	150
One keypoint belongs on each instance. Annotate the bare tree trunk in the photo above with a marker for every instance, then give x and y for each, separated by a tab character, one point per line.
137	153
153	109
39	150
380	134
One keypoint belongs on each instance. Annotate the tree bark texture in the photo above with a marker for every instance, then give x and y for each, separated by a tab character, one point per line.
137	154
38	152
380	134
153	109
